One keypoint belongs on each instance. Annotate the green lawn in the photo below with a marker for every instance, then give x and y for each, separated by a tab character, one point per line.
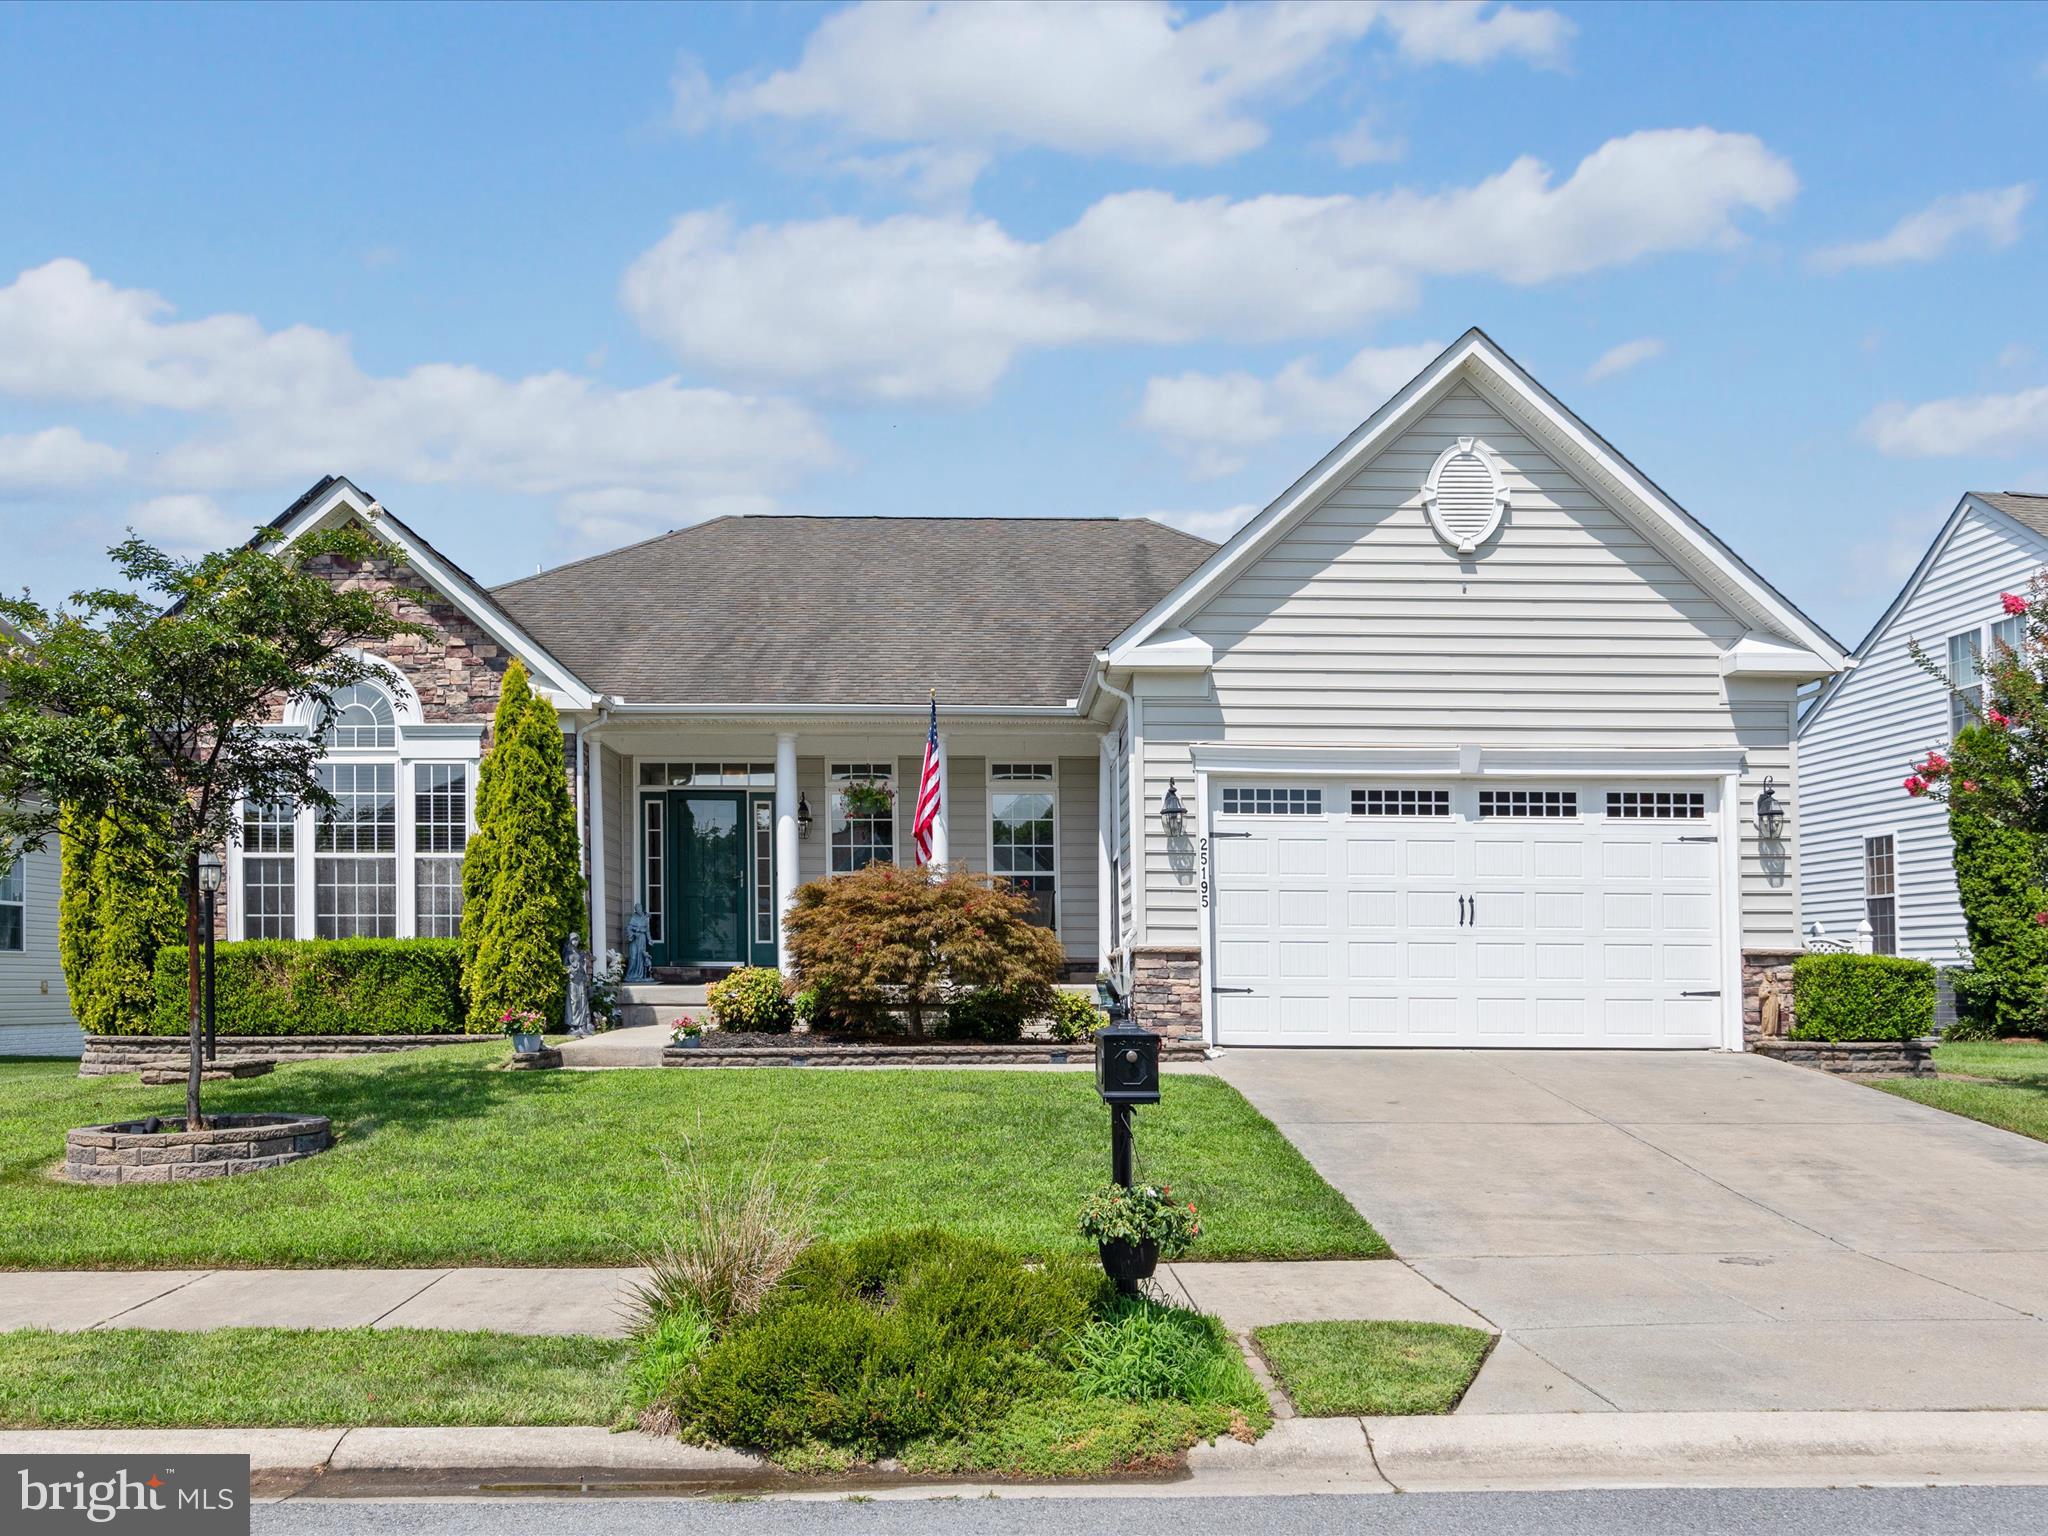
2015	1100
1333	1370
140	1378
440	1159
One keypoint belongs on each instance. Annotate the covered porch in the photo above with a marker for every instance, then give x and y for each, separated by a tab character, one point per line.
708	823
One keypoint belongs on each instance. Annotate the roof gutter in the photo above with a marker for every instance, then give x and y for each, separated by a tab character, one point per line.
1066	711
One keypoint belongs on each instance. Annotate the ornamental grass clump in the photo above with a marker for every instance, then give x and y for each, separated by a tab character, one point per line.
1140	1351
735	1233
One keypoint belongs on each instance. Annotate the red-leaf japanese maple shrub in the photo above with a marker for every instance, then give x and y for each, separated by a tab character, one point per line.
884	940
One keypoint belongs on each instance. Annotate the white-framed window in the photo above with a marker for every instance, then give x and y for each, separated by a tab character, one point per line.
1271	800
1880	894
355	853
269	871
363	719
1657	804
440	831
869	837
13	903
655	775
1538	803
1400	800
1023	799
654	865
1967	700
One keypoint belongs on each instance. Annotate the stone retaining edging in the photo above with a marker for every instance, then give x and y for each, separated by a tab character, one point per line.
1855	1058
131	1152
795	1051
107	1055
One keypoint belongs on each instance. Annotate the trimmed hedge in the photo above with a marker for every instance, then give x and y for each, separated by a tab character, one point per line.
320	987
1861	997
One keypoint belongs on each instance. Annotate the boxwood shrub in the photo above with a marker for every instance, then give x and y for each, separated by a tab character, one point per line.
1861	997
320	987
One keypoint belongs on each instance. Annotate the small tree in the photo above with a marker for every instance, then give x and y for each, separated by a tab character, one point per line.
144	705
522	874
886	938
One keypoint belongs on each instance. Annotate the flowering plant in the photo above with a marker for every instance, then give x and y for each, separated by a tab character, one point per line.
686	1028
1997	763
521	1021
1144	1213
868	797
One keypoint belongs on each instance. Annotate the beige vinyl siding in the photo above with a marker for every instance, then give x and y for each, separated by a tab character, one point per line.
813	851
35	1012
967	834
1570	628
1079	815
1854	755
619	875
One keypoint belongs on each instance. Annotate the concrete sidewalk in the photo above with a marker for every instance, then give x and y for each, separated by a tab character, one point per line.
595	1301
1300	1456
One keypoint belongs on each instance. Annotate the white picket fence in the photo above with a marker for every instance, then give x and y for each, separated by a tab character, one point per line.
1818	942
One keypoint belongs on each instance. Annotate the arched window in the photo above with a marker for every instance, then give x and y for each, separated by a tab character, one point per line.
362	718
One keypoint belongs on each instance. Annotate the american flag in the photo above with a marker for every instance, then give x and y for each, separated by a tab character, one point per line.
928	791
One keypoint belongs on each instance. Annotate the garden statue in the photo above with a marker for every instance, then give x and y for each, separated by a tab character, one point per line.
577	1008
637	968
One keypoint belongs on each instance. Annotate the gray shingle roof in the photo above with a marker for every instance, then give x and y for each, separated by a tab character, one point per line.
2028	507
854	610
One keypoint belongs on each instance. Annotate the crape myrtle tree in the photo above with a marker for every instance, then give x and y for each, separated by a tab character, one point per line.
137	709
1994	780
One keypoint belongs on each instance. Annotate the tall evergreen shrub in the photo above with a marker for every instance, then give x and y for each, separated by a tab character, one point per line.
1999	882
119	902
522	877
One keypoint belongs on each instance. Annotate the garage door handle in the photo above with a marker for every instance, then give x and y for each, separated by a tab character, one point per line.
1230	834
1715	993
1699	839
1234	991
1461	911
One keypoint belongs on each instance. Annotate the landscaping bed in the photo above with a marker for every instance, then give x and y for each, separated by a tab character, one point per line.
136	1378
441	1158
723	1048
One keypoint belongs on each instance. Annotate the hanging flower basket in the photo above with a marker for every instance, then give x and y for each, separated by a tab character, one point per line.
868	798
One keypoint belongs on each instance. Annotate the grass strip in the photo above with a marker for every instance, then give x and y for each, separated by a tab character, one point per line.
1337	1370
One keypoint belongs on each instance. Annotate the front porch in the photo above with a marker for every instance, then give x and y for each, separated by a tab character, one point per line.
708	826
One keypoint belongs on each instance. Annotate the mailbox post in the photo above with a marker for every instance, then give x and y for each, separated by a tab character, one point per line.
1126	1075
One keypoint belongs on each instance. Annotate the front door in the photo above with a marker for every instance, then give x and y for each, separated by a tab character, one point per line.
721	878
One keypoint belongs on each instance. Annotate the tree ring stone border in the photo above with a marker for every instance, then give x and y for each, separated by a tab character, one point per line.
132	1152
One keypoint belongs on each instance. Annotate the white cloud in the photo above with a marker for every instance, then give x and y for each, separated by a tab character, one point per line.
1214	417
937	306
1990	219
187	524
1138	78
1217	525
56	458
927	174
1361	144
272	408
2007	423
1624	357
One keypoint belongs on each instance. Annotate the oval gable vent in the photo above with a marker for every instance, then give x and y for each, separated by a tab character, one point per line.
1465	495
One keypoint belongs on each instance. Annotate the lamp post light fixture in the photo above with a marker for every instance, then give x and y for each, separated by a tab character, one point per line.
1770	811
1172	814
803	814
211	871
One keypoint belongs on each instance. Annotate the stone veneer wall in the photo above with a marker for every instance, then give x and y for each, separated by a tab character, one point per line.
1766	976
1166	991
107	1055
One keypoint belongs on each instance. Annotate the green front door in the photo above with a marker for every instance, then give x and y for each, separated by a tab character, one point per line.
709	838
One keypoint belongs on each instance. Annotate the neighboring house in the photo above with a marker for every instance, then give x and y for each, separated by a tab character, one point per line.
1872	853
1465	731
35	1010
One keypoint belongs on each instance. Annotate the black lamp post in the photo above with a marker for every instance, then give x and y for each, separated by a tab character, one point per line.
210	872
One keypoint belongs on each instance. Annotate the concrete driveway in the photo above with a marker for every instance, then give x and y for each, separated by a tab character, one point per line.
1684	1231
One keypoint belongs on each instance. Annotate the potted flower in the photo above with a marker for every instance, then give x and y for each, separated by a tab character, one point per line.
688	1034
1133	1227
524	1026
868	798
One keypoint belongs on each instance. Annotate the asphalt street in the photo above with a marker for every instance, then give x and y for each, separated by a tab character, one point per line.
1648	1512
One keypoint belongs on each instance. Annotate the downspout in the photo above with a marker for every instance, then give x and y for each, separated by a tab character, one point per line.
1133	854
593	852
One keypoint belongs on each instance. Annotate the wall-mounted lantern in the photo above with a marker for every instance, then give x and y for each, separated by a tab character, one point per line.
1770	811
1172	814
803	814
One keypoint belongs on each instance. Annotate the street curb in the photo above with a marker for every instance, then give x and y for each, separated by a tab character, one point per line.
1472	1453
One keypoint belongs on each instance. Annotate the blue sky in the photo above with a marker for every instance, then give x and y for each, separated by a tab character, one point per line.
549	280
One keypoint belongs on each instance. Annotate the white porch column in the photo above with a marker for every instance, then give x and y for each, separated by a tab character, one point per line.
941	827
599	934
785	839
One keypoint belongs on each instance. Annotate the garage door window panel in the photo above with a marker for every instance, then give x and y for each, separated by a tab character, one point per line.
1528	804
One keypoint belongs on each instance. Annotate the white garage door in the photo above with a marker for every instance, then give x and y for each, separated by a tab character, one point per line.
1460	914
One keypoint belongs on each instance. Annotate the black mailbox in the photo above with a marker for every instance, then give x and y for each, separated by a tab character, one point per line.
1126	1064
